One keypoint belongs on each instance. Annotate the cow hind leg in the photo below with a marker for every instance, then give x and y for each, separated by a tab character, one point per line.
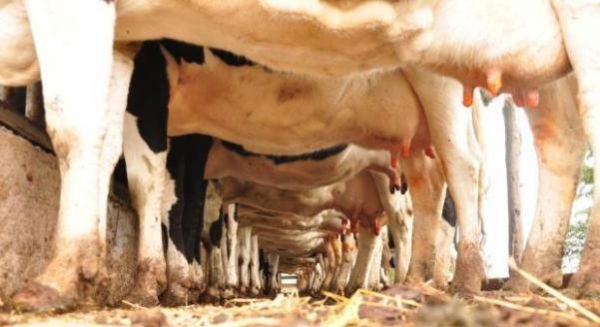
77	120
367	243
560	147
577	19
256	284
454	138
427	189
185	164
196	188
177	266
245	240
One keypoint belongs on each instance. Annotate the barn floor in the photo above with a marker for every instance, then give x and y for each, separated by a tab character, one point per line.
396	306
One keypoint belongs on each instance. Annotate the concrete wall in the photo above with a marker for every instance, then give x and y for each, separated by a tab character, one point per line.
29	191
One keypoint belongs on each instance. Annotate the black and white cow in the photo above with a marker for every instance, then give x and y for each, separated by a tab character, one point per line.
194	158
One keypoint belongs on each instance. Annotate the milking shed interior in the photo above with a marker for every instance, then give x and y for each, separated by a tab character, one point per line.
28	166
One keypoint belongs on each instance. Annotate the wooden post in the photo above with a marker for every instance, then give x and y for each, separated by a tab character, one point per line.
34	106
513	154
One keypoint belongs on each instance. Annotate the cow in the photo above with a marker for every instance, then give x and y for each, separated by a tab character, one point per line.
411	32
296	172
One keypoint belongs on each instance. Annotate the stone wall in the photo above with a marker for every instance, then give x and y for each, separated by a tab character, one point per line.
29	197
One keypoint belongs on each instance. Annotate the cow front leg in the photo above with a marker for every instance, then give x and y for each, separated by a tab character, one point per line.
577	19
76	71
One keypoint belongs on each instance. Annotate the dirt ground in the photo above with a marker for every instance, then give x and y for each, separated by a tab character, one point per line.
396	306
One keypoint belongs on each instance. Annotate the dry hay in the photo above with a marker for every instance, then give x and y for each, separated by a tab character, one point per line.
399	305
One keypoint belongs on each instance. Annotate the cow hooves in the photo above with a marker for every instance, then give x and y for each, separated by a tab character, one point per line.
176	297
349	291
254	291
228	294
213	294
469	271
466	286
585	285
150	282
36	297
516	284
590	290
143	298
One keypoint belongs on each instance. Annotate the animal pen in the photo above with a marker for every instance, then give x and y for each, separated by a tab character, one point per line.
29	188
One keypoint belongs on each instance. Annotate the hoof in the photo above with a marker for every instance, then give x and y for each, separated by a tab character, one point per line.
469	271
254	291
227	294
150	282
466	288
349	291
589	290
213	293
175	297
516	284
35	297
144	297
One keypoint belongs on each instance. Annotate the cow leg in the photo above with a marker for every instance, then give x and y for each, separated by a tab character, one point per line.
348	257
185	162
274	286
367	242
386	258
560	147
226	291
77	122
216	279
444	249
147	179
112	146
193	216
338	255
232	246
397	209
452	135
427	189
401	227
245	239
374	278
255	279
145	151
176	265
330	258
319	276
302	281
578	19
